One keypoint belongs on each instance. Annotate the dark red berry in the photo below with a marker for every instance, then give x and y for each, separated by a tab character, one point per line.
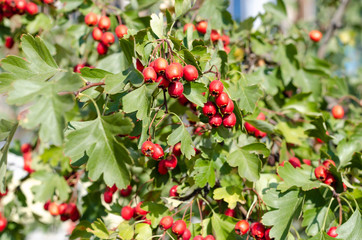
230	212
190	73
171	162
166	223
46	205
9	42
175	89
229	121
127	213
102	49
250	128
78	67
121	30
157	153
149	75
257	230
25	148
104	23
163	82
216	87
160	65
3	223
267	232
91	19
209	109
229	108
186	235
139	210
183	100
216	120
209	237
225	39
242	227
201	27
295	162
259	134
108	39
328	162
321	173
147	148
177	149
162	169
173	191
179	227
330	179
139	65
214	36
174	72
126	191
222	100
62	207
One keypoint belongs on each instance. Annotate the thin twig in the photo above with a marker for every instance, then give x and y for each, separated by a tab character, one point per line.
89	85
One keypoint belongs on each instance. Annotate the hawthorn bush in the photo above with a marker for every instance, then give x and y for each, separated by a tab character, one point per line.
183	124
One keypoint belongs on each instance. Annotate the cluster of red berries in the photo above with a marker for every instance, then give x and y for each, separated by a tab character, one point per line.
108	193
221	110
179	228
3	223
257	230
322	174
253	130
9	8
65	210
26	149
127	213
99	33
169	75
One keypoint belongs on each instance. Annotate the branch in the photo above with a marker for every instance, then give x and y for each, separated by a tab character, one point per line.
336	22
89	85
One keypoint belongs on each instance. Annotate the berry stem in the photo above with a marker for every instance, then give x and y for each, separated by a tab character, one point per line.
198	206
325	216
165	100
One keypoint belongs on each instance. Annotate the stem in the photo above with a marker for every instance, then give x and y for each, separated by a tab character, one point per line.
349	205
105	104
251	208
89	85
350	97
202	225
325	217
94	102
296	232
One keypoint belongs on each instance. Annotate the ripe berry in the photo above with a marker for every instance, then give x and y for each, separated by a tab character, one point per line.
209	237
75	215
179	227
214	36
26	147
173	72
9	42
338	112
209	109
139	65
188	25
177	149
61	208
160	65
171	162
78	67
53	209
229	121
21	5
3	223
104	23
190	73
267	237
230	212
198	237
162	169
257	230
229	108
250	128
186	235
330	180
216	120
31	8
147	148
225	39
163	82
139	210
201	27
242	227
328	162
149	75
261	116
108	39
97	34
166	223
112	189
307	162
48	1
259	134
321	173
216	87
173	191
295	162
127	213
121	30
126	191
108	196
157	153
332	232
101	48
175	89
227	49
315	35
91	19
222	100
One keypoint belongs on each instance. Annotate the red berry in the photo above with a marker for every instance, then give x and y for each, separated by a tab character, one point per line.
3	223
64	218
139	65
48	1
261	116
21	5
173	72
113	189
126	191
222	100
229	108
175	89
295	162
157	153
332	232
216	87
229	121
227	49
230	212
91	19
46	205
163	82
177	149
97	34
108	39
104	23
25	148
201	27
179	227
173	191
127	213
160	65
31	8
188	25
267	237
216	120
147	148
209	109
257	230
186	235
209	237
250	128
190	73
259	134
214	36
330	180
61	208
166	223
307	162
338	112
242	227
171	162
321	173
139	210
9	42
108	196
78	67
121	30
198	237
149	75
162	169
315	35
53	209
183	100
328	162
71	209
225	39
75	215
101	48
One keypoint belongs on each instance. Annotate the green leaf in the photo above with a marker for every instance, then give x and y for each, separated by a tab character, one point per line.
301	104
223	227
117	82
288	173
322	236
6	79
137	100
182	6
288	205
320	130
126	231
293	135
181	134
41	22
248	96
127	47
7	131
345	151
249	165
285	56
99	229
106	155
313	219
193	92
143	231
352	229
157	24
80	231
204	173
261	125
278	10
258	148
214	11
230	194
94	74
155	212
